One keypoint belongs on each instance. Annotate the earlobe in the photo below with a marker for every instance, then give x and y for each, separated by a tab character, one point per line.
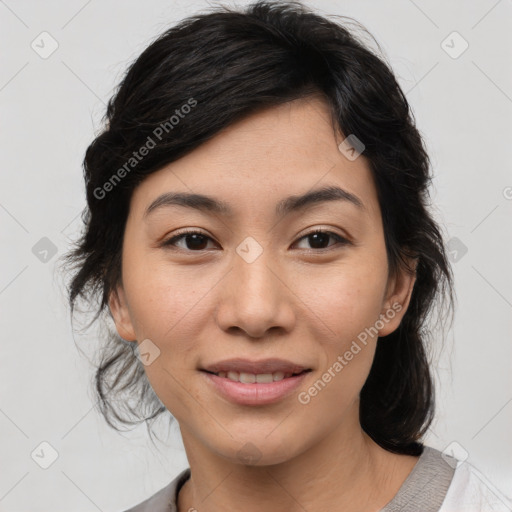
120	314
397	300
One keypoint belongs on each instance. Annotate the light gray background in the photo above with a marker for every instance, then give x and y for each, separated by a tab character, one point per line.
51	109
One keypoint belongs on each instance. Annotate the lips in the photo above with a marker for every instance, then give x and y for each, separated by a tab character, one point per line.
254	383
255	389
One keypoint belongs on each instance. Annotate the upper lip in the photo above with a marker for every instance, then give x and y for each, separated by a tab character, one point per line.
255	367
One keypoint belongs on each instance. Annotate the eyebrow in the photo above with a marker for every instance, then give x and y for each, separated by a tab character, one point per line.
284	207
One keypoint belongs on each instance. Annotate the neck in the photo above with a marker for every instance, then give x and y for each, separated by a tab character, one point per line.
344	469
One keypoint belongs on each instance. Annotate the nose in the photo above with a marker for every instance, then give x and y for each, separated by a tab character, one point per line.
256	298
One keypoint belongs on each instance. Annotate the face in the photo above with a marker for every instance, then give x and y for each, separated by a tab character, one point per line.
267	284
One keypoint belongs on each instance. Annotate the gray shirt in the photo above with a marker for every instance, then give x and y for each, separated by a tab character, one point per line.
423	490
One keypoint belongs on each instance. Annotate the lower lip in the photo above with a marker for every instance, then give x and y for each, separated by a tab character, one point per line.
257	393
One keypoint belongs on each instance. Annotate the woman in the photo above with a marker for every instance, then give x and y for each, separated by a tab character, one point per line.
258	229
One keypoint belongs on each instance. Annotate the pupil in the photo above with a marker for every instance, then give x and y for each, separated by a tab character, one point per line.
316	237
197	241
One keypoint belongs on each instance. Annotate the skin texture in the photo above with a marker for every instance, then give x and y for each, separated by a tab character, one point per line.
295	301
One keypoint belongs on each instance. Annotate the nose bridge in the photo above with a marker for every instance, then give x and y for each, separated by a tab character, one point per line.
253	268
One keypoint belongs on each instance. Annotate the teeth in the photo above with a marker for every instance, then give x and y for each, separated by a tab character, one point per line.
251	378
264	378
247	378
233	376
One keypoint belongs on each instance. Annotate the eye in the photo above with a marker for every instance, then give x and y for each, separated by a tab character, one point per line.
193	241
197	241
319	238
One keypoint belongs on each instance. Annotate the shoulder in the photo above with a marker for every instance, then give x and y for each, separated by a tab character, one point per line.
440	482
163	500
471	491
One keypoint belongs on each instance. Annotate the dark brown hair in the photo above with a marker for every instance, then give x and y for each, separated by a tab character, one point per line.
227	64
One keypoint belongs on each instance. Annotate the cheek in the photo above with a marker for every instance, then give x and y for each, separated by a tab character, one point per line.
345	300
164	299
345	306
166	308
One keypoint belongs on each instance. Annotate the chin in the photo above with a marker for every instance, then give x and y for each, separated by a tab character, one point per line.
258	450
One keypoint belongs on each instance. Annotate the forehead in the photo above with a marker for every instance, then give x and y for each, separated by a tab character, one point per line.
256	162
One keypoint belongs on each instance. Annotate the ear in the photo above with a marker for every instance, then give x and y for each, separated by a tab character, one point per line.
121	315
397	298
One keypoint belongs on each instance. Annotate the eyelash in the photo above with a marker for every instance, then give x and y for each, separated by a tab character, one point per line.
171	241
